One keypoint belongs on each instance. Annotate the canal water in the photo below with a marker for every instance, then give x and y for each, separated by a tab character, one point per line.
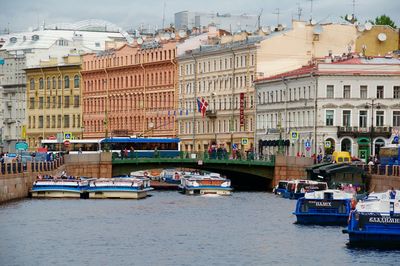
172	229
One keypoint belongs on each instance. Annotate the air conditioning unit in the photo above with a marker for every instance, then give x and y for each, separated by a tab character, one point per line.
9	104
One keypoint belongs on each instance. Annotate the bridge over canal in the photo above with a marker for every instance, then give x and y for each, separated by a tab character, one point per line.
245	174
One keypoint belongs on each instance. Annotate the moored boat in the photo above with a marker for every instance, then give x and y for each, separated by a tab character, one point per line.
119	188
376	222
281	187
297	188
59	188
171	176
211	183
326	207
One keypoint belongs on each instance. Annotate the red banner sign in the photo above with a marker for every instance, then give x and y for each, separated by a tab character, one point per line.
241	102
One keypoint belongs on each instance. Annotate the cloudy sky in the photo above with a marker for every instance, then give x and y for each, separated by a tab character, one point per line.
19	15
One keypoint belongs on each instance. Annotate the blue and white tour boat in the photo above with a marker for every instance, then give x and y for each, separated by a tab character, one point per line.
119	188
326	207
376	221
297	188
59	188
205	184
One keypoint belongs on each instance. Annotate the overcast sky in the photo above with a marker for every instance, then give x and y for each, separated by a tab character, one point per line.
19	15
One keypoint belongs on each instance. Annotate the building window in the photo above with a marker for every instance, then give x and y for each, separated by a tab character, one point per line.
48	83
76	81
58	121
379	92
66	82
330	91
32	84
346	91
346	118
32	103
54	83
59	101
48	121
40	121
66	121
48	102
363	119
66	101
396	118
379	118
76	101
41	102
329	117
396	92
59	82
363	92
41	85
53	121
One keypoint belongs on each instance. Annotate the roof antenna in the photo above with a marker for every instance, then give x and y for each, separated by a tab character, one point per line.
299	10
277	13
311	9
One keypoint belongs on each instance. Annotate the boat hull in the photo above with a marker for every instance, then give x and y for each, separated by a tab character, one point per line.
377	240
321	219
207	191
55	194
118	194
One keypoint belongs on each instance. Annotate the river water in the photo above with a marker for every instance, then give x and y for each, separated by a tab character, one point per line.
172	229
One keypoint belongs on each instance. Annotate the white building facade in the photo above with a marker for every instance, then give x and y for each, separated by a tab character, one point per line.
351	105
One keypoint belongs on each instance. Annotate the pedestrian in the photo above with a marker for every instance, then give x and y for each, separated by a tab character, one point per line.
80	150
131	152
392	193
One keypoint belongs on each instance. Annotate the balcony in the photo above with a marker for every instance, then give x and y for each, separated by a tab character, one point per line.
211	114
357	132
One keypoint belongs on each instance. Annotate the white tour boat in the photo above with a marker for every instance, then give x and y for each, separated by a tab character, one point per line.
119	188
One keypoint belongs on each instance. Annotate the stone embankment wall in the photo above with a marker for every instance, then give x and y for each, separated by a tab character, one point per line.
16	179
90	165
380	183
290	167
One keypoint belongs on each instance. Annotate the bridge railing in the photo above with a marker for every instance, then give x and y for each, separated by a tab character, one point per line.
195	156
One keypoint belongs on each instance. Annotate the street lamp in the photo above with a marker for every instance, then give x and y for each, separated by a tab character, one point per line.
371	133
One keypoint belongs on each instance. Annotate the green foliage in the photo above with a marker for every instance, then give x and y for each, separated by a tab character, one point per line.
384	20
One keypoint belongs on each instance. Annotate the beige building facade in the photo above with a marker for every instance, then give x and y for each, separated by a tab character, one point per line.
219	77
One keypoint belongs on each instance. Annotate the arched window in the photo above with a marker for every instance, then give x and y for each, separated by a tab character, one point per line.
54	83
66	82
48	83
76	81
41	84
32	84
59	82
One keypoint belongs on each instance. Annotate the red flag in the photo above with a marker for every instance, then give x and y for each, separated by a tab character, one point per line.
204	105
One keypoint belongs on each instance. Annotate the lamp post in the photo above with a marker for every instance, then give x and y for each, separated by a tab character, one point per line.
371	132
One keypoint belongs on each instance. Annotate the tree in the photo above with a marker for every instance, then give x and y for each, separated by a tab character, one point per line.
383	20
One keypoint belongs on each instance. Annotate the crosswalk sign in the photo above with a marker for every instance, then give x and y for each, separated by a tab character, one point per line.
294	135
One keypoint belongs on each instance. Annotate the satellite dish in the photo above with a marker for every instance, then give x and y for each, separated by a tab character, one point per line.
313	22
265	29
157	39
361	27
382	37
318	29
139	40
368	25
173	35
182	33
349	17
167	36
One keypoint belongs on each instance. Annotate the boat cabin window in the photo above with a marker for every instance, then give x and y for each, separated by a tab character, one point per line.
282	185
305	187
328	195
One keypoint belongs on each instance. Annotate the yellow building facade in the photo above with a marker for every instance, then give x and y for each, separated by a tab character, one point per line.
54	100
378	41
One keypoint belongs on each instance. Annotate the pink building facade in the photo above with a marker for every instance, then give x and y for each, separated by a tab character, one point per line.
130	91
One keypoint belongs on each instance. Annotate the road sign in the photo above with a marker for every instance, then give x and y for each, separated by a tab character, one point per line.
245	141
396	139
294	135
66	143
307	144
234	146
23	146
67	135
328	144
